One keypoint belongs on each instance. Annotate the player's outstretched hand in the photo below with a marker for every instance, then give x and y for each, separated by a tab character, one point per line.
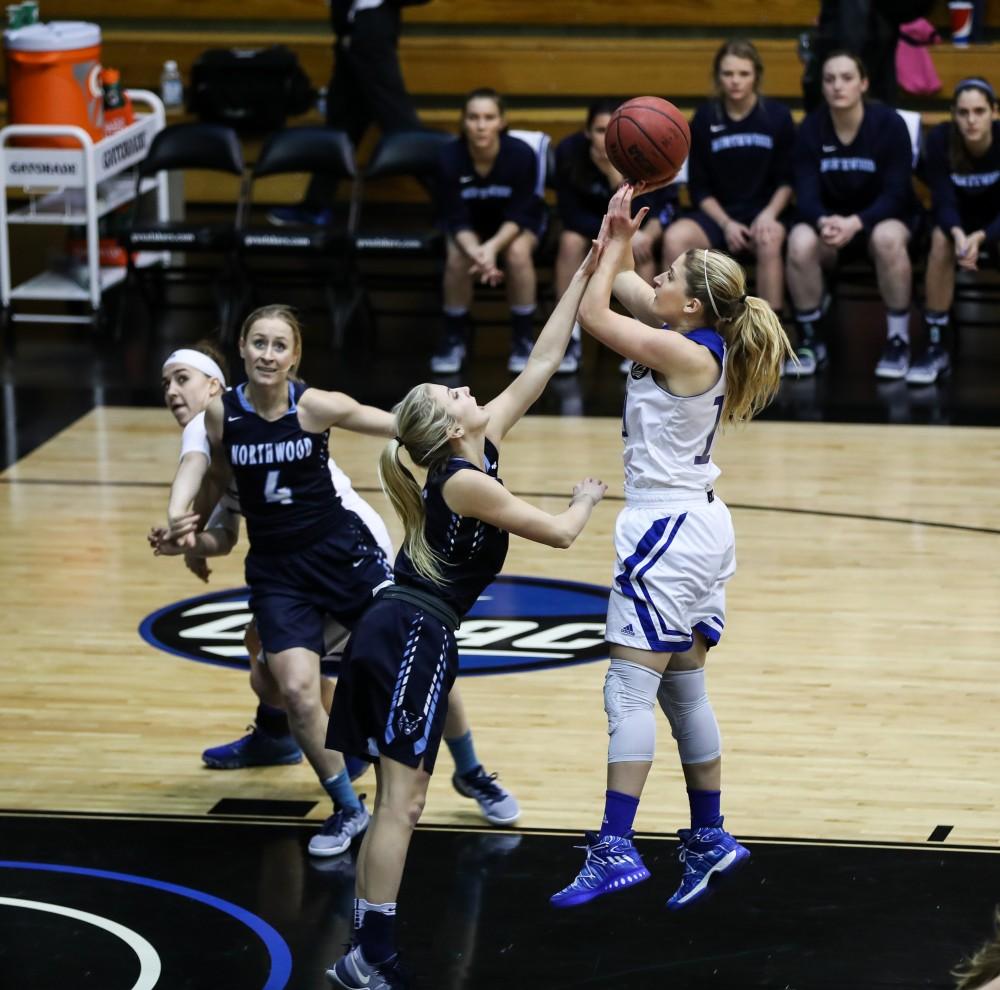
621	224
593	488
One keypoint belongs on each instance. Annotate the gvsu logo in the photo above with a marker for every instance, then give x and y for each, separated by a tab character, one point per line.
518	623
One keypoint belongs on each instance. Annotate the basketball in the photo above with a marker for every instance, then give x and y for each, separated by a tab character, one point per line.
648	138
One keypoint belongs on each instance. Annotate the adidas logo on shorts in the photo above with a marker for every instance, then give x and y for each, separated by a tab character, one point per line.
627	630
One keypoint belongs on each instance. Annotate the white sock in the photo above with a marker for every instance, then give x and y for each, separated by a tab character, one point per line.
898	325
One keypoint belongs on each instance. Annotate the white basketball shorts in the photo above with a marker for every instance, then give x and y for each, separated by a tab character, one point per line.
675	552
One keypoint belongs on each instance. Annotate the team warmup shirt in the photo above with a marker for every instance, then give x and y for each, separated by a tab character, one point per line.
968	199
668	438
281	473
472	552
740	162
482	203
870	177
582	191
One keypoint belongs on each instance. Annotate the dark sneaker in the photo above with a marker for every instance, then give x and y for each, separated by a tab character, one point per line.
498	805
520	351
809	358
613	863
706	853
354	972
927	369
299	216
895	360
449	357
338	830
257	749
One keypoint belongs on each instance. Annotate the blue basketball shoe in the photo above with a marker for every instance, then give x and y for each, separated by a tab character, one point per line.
706	853
613	863
257	749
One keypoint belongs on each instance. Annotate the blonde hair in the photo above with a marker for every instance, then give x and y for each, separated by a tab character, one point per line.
756	343
984	965
422	426
288	316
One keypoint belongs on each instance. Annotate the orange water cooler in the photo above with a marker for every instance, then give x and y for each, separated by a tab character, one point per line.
54	77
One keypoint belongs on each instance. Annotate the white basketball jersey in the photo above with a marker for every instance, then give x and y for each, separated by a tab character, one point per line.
668	438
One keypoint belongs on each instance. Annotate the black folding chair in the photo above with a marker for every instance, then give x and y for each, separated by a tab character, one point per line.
186	147
330	248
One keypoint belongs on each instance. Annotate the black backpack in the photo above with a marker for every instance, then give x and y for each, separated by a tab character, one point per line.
251	90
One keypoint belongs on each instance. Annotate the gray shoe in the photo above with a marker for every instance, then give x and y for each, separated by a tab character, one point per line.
895	360
498	805
927	370
809	358
449	358
338	830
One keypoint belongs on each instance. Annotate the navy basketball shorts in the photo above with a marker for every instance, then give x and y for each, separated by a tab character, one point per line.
292	594
392	693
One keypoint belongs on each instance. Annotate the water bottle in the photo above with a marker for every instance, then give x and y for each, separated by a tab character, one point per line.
171	85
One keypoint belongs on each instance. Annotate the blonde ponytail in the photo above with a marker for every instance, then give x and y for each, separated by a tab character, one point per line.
756	343
422	427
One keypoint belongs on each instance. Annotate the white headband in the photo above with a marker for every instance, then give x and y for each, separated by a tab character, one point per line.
708	288
197	360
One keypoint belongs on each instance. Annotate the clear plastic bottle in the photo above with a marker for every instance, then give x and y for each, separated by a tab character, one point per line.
171	85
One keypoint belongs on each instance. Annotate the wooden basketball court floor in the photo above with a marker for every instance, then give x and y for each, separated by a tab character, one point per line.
856	688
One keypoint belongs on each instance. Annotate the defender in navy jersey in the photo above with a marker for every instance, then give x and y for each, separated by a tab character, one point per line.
401	662
739	172
962	166
309	556
585	179
704	355
192	377
492	212
854	196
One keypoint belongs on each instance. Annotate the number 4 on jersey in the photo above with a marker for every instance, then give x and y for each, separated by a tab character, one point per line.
275	494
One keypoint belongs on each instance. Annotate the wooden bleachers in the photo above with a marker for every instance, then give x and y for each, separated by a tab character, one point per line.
549	59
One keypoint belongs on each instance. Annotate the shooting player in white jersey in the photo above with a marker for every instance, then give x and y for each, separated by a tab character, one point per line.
714	357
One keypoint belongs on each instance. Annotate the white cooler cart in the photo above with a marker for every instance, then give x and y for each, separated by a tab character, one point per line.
75	187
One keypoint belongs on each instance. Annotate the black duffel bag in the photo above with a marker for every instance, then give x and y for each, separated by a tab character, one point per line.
251	90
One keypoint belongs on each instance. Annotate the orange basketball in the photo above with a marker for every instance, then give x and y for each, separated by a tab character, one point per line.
648	138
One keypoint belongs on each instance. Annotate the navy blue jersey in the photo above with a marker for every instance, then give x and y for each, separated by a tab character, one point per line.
472	551
870	177
484	202
281	473
740	162
968	198
582	191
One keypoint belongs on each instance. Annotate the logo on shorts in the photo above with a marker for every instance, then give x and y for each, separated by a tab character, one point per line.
638	370
518	623
628	630
408	724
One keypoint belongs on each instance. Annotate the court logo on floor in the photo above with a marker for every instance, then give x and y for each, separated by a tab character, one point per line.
518	623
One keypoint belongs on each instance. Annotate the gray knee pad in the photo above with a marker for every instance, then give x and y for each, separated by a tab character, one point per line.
684	701
629	695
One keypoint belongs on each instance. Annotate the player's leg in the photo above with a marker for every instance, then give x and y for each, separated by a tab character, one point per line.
498	805
939	293
296	671
400	796
889	248
522	297
270	741
573	248
457	293
807	257
771	270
